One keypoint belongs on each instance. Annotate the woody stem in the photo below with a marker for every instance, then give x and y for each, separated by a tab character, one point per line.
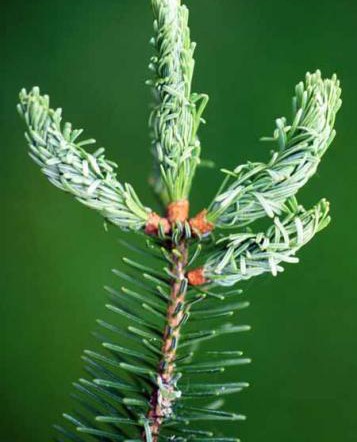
163	396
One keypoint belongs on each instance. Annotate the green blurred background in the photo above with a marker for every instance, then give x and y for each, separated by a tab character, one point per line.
91	57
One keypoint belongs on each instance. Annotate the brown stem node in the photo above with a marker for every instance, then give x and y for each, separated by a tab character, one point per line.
153	222
196	276
200	223
178	211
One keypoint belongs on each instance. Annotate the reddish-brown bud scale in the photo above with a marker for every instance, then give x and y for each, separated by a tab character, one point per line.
196	276
177	211
152	224
200	224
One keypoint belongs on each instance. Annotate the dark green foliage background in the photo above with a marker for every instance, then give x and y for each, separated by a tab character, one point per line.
92	56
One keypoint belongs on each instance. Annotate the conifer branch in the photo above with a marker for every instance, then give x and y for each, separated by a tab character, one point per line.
177	113
89	177
245	255
140	386
259	189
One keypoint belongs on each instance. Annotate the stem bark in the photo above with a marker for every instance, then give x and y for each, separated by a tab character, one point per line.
164	394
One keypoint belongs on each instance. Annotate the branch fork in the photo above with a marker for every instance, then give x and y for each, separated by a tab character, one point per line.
177	212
